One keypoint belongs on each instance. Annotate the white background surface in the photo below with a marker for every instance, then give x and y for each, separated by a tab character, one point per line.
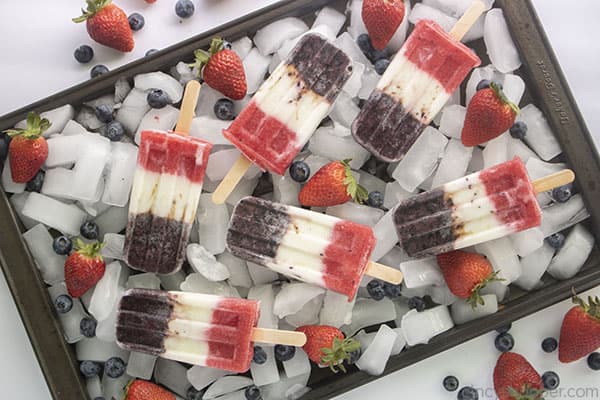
36	46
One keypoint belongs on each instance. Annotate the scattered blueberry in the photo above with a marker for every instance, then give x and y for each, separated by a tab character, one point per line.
260	356
284	353
375	199
114	131
157	98
381	65
98	70
4	140
549	345
87	327
483	84
299	171
562	194
252	393
354	356
136	21
467	393
450	383
518	130
184	8
99	398
504	329
89	230
114	367
224	109
151	51
62	245
375	289
392	291
89	369
194	394
84	54
364	43
550	380
227	45
377	55
104	113
504	342
556	240
417	303
35	184
63	303
593	361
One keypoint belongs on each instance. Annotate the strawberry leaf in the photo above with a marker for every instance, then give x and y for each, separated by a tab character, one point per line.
500	93
36	126
93	6
592	307
339	351
202	56
358	193
90	250
475	298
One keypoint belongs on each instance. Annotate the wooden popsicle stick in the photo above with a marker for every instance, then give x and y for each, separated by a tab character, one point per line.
384	273
289	338
233	177
188	107
555	180
468	19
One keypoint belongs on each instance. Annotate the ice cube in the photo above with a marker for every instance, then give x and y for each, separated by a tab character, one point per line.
422	272
442	295
269	38
496	151
539	135
71	128
8	184
371	182
421	327
64	150
203	262
239	275
337	310
89	168
106	328
374	359
421	11
206	104
285	189
267	373
200	377
260	274
183	72
572	255
210	129
120	176
455	8
503	257
477	30
476	163
242	46
357	26
330	17
58	183
498	42
453	119
87	118
285	388
143	281
513	87
315	162
113	220
50	264
333	147
94	349
141	365
172	281
348	45
344	111
352	87
133	109
244	188
162	81
114	388
358	213
71	320
107	99
367	312
454	163
157	119
266	297
172	375
58	118
94	387
225	385
560	216
293	297
538	169
221	162
122	89
308	314
534	265
527	241
394	194
421	159
386	235
197	283
394	257
212	220
66	218
463	312
516	148
255	66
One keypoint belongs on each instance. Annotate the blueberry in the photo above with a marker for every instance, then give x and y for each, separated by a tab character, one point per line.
504	342
467	393
62	245
227	45
99	398
518	130
260	356
3	147
450	383
504	329
417	303
104	113
284	353
87	327
593	361
556	240
136	21
194	394
98	70
184	8
375	289
354	356
224	109
549	345
63	303
299	171
364	43
157	98
483	84
392	291
550	380
381	65
252	393
150	52
114	131
35	184
89	230
562	194
89	369
114	367
84	54
375	199
377	55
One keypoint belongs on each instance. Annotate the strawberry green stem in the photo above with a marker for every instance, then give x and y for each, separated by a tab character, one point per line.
475	298
339	352
526	393
500	93
202	56
93	6
358	193
592	307
91	250
36	126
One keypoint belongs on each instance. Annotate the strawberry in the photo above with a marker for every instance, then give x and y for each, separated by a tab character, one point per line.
333	184
516	379
466	274
83	268
222	70
580	330
150	1
382	18
327	345
107	24
28	149
489	114
144	390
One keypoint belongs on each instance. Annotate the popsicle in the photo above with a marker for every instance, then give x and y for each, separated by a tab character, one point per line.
305	245
164	197
287	109
195	328
483	206
414	88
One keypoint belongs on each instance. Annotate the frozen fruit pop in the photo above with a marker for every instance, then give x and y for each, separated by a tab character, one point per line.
165	193
194	328
305	245
414	88
287	109
483	206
